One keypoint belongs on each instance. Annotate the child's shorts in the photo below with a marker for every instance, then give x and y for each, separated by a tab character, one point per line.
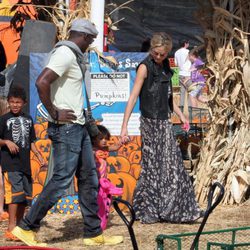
197	91
18	188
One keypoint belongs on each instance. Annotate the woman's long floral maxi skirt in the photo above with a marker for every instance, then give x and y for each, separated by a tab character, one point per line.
164	191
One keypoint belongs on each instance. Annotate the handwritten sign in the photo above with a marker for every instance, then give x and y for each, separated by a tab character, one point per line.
110	87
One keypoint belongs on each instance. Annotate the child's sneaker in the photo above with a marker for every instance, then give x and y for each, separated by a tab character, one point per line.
10	237
4	216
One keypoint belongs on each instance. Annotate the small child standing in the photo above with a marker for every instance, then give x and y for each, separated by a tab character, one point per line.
106	188
198	80
17	136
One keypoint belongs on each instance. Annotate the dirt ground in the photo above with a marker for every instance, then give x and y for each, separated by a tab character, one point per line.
64	231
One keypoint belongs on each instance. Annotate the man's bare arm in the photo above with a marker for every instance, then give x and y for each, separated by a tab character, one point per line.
43	82
45	79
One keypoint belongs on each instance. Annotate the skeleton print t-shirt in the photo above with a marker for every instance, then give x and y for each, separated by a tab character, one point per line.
20	130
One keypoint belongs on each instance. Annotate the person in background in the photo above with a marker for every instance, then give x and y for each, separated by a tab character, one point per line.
106	188
60	90
4	108
198	80
17	137
164	191
182	61
145	46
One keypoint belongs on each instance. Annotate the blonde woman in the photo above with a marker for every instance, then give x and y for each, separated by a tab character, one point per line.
164	192
4	108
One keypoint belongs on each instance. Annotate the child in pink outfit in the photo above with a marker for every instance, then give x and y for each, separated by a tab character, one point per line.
106	188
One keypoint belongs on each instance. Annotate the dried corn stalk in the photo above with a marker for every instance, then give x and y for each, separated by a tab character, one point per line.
62	16
226	148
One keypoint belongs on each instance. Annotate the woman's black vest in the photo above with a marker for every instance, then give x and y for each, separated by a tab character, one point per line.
156	96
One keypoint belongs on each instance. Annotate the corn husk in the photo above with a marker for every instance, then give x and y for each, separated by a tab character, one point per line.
225	151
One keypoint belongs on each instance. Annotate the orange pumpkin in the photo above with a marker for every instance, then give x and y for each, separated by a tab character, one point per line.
135	170
125	181
44	134
135	156
118	164
32	156
175	119
35	169
132	138
138	140
44	146
41	130
126	149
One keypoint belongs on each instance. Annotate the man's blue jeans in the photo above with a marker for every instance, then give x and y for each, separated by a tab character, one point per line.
72	155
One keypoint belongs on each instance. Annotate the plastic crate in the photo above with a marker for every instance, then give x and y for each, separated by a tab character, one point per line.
217	246
234	238
175	77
